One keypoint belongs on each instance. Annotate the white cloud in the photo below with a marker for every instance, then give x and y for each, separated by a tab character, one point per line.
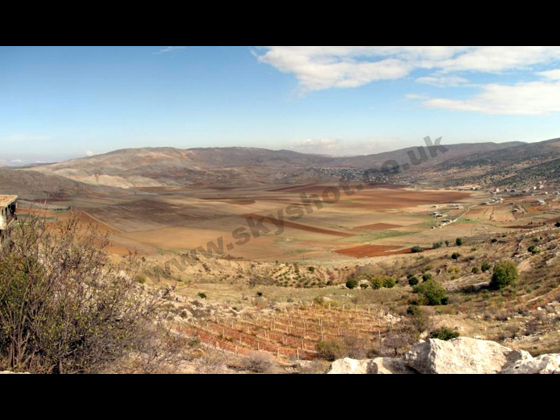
439	80
169	49
318	68
24	137
16	161
528	98
550	74
89	153
318	144
339	147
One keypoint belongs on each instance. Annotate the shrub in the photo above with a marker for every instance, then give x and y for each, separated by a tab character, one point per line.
311	269
413	310
458	241
455	256
505	274
557	224
258	362
444	333
364	286
202	295
64	308
389	283
485	267
533	250
426	277
413	281
494	240
352	283
376	283
437	245
432	293
475	270
331	350
416	249
447	242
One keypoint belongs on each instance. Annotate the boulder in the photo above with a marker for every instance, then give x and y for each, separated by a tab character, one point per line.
349	366
389	366
462	355
543	365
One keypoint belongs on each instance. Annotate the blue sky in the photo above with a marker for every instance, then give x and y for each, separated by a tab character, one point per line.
64	102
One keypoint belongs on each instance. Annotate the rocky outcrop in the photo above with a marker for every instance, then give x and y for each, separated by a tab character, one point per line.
349	366
543	365
389	366
459	356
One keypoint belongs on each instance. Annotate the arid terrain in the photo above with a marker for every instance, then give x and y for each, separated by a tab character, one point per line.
256	250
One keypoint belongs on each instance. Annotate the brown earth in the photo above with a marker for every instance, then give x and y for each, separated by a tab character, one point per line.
372	251
293	225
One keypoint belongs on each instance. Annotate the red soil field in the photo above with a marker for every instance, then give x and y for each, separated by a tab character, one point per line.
371	251
293	225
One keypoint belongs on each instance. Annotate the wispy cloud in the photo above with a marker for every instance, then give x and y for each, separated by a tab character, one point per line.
442	81
340	147
169	49
319	68
530	98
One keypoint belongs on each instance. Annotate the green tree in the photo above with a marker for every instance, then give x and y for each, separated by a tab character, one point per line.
416	249
505	274
458	241
432	293
413	281
485	267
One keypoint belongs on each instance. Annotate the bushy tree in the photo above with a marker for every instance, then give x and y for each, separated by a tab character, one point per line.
505	274
413	281
459	241
432	293
416	249
64	307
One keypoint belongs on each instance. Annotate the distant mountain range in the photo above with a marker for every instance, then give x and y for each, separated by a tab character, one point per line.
131	170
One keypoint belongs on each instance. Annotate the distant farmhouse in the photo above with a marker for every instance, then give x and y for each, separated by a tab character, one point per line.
8	207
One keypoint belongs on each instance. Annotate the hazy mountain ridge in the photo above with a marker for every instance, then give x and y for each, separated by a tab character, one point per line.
166	166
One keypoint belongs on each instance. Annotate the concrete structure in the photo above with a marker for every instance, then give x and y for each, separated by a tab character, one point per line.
8	207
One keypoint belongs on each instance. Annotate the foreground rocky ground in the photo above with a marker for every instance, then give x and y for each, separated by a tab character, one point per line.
459	356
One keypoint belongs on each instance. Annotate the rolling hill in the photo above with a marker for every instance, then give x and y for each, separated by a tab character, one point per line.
159	167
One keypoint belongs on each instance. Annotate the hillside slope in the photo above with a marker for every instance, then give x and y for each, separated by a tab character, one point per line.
157	167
